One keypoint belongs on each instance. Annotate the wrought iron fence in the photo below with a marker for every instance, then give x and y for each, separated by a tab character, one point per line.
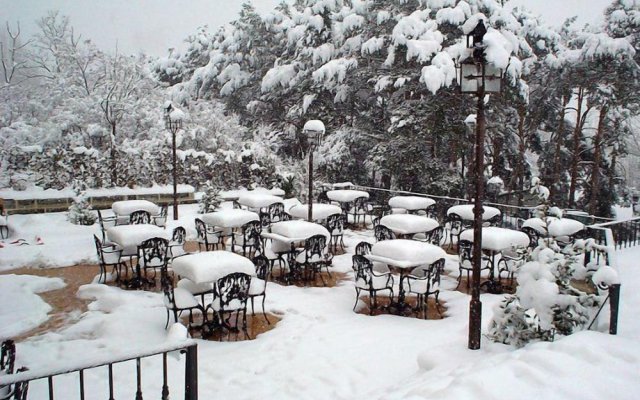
625	233
190	374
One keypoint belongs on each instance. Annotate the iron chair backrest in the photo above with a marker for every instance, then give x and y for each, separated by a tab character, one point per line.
335	224
382	232
99	248
363	269
263	267
533	236
276	213
454	223
323	198
496	220
153	252
314	246
7	356
361	205
465	250
363	248
251	231
233	287
201	229
140	217
435	236
179	235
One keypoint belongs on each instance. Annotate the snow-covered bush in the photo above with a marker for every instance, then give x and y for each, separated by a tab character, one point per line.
546	301
209	200
81	211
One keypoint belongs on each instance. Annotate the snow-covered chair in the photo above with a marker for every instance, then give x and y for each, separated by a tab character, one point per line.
258	286
465	263
178	300
140	217
109	257
424	281
382	232
207	236
510	262
313	258
230	302
161	219
153	255
106	223
360	209
370	281
335	226
176	244
248	238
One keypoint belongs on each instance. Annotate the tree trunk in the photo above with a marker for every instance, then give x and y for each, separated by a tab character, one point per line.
597	155
114	170
555	175
575	156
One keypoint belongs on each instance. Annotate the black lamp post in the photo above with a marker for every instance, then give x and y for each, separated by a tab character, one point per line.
313	130
478	77
173	122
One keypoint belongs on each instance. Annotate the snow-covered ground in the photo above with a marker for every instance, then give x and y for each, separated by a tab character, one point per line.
320	349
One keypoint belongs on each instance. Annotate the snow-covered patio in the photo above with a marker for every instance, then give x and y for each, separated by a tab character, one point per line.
319	349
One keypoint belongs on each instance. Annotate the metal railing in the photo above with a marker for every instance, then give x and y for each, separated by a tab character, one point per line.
625	233
188	347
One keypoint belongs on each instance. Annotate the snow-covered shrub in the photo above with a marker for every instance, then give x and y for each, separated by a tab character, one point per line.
81	211
209	200
546	301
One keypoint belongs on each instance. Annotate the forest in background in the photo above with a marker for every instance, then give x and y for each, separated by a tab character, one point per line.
377	73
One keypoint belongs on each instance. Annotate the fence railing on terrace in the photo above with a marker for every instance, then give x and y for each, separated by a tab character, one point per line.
95	387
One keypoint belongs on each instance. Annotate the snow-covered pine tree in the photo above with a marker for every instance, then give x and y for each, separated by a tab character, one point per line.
209	200
81	211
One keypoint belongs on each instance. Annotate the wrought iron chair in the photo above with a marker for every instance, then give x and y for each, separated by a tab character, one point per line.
176	244
382	232
153	255
258	284
465	253
109	256
230	300
369	281
276	213
17	391
106	223
313	258
323	198
425	281
161	219
534	236
208	237
363	248
434	236
248	238
140	217
493	221
360	209
335	226
178	300
510	262
454	225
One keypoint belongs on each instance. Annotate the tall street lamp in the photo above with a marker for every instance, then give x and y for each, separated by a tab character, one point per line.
173	118
313	130
478	77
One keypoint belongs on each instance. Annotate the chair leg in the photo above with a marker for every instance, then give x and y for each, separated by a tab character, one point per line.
357	298
252	310
264	312
166	325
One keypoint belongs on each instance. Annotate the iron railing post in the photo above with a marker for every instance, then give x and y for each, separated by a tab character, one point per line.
191	373
614	306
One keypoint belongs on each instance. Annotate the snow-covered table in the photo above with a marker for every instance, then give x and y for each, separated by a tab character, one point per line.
411	203
231	195
338	185
320	211
557	226
126	207
465	211
129	237
287	235
496	240
346	195
409	224
258	200
229	218
209	266
405	255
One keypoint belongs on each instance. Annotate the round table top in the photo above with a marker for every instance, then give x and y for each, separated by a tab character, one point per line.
346	195
465	211
411	203
404	253
498	239
209	266
320	211
230	217
406	224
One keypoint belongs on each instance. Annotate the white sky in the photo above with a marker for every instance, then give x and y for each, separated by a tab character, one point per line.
156	25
